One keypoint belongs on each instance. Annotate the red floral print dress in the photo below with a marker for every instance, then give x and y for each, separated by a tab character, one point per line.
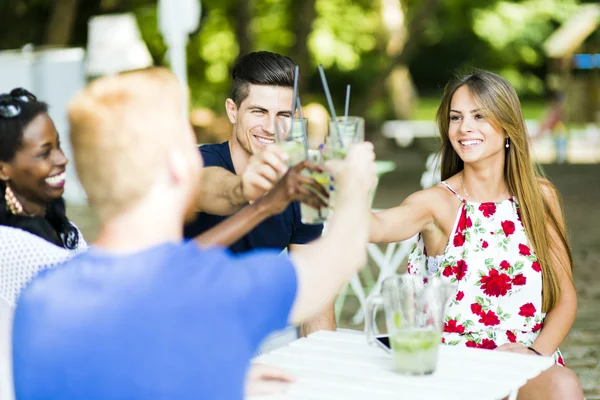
499	293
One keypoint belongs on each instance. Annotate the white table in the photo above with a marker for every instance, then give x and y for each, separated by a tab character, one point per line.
340	365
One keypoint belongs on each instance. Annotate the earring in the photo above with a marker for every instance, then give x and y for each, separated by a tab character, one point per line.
507	145
14	206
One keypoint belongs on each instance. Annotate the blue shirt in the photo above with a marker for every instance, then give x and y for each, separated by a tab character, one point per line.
171	322
276	232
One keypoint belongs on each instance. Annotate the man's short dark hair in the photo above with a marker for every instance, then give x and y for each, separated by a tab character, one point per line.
261	68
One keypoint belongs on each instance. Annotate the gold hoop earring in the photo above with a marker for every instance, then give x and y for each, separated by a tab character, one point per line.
14	206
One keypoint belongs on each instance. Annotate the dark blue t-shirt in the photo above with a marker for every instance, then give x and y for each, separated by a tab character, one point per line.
276	232
171	322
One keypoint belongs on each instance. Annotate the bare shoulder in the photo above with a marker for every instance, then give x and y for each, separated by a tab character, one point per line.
430	196
549	191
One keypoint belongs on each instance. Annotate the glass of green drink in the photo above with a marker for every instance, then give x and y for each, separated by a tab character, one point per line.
290	135
414	309
308	214
346	131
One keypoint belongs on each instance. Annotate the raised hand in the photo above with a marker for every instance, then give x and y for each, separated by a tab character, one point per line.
296	187
263	172
357	171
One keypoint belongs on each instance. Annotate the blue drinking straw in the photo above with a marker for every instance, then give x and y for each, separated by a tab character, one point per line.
347	103
295	94
330	103
303	128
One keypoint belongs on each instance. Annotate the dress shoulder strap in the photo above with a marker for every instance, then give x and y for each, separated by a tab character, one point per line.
452	190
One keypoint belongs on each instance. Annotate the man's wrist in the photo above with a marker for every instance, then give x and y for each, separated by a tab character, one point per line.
239	198
263	207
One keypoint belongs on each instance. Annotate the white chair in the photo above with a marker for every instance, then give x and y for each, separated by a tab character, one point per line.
389	260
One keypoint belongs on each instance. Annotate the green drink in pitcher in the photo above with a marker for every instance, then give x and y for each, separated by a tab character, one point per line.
415	350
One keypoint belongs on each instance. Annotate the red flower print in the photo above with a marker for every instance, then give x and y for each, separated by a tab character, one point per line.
537	327
519	280
561	361
443	340
469	223
487	344
488	209
460	269
459	239
451	326
495	284
447	271
476	309
462	221
460	295
409	269
471	343
484	244
508	227
527	310
519	214
489	318
536	266
511	337
505	265
524	250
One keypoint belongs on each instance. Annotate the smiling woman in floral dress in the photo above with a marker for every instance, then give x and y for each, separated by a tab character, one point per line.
494	227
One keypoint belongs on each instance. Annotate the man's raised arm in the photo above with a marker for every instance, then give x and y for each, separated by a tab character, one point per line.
224	193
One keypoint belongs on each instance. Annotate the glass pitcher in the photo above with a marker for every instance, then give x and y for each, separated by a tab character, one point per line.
414	312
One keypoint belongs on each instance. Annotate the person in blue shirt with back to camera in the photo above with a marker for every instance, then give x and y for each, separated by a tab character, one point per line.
239	171
143	314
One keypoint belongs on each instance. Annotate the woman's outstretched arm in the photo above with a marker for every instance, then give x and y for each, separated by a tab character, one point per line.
406	220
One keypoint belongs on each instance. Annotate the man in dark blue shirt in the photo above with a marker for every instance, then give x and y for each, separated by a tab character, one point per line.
241	171
276	232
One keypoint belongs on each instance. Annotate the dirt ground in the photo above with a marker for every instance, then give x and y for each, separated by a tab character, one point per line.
580	187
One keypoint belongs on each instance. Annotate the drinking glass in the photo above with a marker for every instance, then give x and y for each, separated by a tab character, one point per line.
291	137
414	312
345	132
309	214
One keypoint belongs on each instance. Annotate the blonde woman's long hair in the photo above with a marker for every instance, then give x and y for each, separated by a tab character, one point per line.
503	108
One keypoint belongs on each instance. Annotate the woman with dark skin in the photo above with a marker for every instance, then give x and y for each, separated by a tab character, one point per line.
32	171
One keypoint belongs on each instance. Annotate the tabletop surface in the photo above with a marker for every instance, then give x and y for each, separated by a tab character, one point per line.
341	365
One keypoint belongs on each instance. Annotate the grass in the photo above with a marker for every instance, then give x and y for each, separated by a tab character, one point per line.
427	107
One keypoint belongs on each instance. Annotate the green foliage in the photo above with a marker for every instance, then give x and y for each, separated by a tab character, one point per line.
342	32
516	31
347	37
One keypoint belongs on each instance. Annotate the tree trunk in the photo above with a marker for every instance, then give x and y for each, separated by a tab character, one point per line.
60	26
242	13
416	28
303	14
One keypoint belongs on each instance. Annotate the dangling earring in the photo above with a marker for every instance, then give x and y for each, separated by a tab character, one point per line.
14	206
507	145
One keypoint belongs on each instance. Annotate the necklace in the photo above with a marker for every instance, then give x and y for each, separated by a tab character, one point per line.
462	185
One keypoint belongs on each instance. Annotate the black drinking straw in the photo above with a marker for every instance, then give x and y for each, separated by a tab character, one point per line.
330	103
347	103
